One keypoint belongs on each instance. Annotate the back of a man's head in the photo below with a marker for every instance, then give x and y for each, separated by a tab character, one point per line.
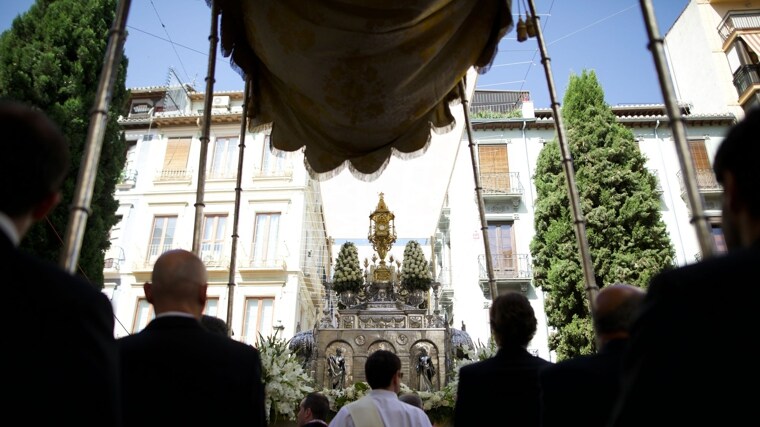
380	368
413	399
215	325
35	158
738	155
513	320
617	306
318	404
178	283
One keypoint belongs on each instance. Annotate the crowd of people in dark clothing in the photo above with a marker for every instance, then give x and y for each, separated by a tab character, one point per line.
668	355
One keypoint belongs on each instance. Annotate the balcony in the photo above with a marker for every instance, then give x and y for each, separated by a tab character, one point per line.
747	81
214	254
502	185
658	180
707	184
127	179
174	175
511	272
738	21
273	173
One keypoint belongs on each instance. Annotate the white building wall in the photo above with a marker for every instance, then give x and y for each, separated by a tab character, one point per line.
139	205
699	67
658	146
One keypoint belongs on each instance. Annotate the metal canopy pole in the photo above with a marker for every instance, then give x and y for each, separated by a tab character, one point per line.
80	207
479	192
567	163
238	194
678	128
206	129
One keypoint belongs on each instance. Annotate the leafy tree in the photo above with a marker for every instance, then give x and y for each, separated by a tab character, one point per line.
52	58
627	238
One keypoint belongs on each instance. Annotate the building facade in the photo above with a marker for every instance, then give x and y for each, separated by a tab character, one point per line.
281	255
712	51
507	150
291	227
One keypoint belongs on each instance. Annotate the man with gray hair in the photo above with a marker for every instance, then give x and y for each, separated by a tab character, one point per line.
567	385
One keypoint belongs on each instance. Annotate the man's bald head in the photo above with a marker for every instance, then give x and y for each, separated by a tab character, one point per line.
178	283
616	308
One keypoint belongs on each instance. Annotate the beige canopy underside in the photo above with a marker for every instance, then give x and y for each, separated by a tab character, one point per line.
355	81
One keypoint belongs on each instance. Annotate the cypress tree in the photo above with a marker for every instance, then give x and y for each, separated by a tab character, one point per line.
627	238
52	58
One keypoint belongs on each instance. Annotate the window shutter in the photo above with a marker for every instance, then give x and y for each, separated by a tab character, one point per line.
177	152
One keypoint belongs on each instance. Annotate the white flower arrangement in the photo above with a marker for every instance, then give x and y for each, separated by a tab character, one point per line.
348	274
341	397
285	381
415	272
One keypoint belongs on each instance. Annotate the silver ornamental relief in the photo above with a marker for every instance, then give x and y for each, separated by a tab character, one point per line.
415	321
402	339
348	322
359	340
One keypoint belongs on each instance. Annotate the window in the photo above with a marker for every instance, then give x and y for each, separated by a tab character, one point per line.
718	238
224	162
212	307
212	243
265	233
114	254
143	315
699	154
258	319
162	236
271	164
501	245
702	169
175	160
494	168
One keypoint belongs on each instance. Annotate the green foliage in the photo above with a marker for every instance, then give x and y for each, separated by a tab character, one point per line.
490	114
415	272
627	238
52	58
348	272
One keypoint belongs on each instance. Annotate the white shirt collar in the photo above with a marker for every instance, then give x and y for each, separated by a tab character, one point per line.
9	229
175	313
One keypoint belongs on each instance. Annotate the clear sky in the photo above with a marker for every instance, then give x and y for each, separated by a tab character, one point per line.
607	36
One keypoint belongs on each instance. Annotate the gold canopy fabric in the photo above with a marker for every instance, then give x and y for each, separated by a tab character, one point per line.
354	81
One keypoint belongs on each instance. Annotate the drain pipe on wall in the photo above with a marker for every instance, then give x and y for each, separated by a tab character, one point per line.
527	162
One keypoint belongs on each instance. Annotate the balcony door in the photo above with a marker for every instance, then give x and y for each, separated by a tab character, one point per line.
175	159
212	244
494	168
702	168
501	243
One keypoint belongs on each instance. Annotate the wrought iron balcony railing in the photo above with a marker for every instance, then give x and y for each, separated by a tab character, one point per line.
706	181
746	77
507	267
501	183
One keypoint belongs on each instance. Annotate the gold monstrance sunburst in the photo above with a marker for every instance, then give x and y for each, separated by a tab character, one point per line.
382	235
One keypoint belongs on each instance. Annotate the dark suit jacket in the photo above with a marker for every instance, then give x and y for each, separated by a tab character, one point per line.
177	373
502	390
691	357
582	391
60	361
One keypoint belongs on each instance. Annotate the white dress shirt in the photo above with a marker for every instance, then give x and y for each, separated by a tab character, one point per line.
393	412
